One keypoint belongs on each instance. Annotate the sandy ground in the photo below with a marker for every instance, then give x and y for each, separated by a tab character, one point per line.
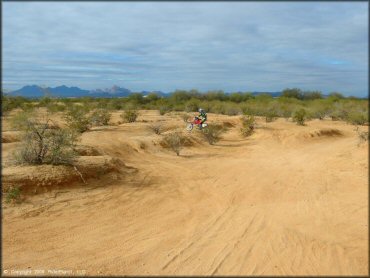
289	200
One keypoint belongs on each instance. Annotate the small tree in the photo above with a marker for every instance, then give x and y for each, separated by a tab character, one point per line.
45	143
299	116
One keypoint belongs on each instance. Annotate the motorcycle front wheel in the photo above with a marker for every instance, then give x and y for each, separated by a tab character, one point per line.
189	127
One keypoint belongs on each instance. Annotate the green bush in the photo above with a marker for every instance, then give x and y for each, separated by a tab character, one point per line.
192	105
10	103
77	119
300	116
45	143
248	125
163	110
357	117
130	115
231	109
271	114
100	117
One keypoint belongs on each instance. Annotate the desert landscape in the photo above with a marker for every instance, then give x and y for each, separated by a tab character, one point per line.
287	200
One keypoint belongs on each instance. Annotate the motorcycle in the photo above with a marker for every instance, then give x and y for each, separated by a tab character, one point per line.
196	121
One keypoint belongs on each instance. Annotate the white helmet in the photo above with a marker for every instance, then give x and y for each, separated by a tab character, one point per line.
200	110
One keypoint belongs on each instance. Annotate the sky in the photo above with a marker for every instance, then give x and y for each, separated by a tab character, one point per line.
230	46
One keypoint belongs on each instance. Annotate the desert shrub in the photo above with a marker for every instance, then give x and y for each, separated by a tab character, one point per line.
77	119
363	136
357	117
232	109
185	117
19	120
213	133
164	109
54	107
318	112
271	114
192	105
217	107
10	103
248	125
44	143
13	195
300	116
175	141
45	101
130	115
28	107
157	128
335	115
100	117
115	104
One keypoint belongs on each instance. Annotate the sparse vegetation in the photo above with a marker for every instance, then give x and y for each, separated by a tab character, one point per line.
130	115
363	136
100	117
248	125
77	119
185	117
44	142
175	141
157	128
13	194
163	110
300	116
213	133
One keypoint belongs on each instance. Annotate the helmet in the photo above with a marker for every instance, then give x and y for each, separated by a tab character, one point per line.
200	110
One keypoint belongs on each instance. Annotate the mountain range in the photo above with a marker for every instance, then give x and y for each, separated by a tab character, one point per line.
35	91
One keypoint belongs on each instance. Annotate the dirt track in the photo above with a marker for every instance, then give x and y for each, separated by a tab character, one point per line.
288	200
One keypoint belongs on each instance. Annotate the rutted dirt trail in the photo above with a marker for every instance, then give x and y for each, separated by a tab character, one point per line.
288	200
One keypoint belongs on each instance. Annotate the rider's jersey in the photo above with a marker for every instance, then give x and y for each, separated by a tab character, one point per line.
203	115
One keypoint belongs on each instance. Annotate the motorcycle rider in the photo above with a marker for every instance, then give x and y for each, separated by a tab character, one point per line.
202	116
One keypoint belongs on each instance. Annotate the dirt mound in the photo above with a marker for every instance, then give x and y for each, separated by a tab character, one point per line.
84	150
11	136
280	202
326	133
41	178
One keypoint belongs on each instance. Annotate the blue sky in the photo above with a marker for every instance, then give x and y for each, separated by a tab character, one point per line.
237	46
